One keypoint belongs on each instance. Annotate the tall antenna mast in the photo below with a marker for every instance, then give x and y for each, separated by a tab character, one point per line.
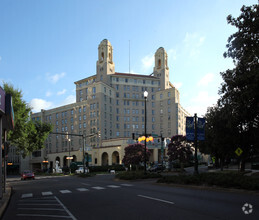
129	56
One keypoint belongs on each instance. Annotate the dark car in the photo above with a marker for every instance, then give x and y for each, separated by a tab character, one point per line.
156	168
27	174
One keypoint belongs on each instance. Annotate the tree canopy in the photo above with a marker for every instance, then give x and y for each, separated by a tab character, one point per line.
234	121
134	154
179	149
27	135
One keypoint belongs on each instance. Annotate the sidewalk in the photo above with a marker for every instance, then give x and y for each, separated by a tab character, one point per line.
4	201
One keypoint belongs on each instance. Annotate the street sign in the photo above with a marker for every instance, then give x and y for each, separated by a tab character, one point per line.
201	129
238	151
190	128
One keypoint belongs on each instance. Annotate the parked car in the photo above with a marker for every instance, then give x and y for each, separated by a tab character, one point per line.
157	168
81	170
27	174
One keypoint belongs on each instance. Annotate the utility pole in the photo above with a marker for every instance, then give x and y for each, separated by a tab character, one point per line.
195	145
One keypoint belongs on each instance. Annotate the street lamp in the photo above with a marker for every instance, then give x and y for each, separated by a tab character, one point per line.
145	164
69	155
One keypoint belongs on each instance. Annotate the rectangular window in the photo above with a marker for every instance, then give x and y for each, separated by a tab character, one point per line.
94	90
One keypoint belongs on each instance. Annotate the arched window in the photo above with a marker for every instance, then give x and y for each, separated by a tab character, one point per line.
102	56
110	56
159	63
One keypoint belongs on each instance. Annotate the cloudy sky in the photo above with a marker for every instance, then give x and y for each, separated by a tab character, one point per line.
46	45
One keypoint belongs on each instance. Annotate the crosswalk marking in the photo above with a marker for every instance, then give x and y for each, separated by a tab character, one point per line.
82	189
98	187
65	191
113	186
47	193
126	184
27	195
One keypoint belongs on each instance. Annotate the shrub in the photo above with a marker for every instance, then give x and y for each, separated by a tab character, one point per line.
228	180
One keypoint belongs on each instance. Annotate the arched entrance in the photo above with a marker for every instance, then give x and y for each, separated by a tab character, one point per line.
115	157
105	160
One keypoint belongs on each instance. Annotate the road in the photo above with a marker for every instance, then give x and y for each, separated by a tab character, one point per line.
100	197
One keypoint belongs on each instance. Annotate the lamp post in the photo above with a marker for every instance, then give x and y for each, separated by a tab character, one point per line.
69	155
145	164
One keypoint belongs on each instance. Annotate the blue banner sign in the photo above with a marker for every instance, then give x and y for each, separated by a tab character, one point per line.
190	128
201	129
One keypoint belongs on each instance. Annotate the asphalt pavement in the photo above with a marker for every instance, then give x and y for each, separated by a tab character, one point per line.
102	197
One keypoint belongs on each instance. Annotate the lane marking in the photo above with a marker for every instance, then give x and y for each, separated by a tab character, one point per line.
43	209
36	215
65	191
82	189
160	200
125	184
98	187
113	186
47	193
64	207
86	184
38	204
27	195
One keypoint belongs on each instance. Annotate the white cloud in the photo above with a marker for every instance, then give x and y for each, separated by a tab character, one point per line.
147	62
193	42
178	85
172	54
62	92
201	102
69	100
38	104
55	78
205	80
48	94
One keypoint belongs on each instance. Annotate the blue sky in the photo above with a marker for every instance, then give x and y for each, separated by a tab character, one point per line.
46	45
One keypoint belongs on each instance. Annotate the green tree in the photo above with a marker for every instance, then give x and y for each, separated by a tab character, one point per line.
179	149
240	88
219	134
27	136
135	154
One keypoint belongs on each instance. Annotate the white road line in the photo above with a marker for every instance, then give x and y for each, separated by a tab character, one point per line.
42	209
125	184
160	200
47	193
98	187
86	184
65	191
64	207
36	215
37	204
82	189
27	195
113	186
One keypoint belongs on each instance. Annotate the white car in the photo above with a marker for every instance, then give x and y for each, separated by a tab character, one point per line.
81	170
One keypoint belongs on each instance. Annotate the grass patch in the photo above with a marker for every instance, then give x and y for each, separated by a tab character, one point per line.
134	175
224	179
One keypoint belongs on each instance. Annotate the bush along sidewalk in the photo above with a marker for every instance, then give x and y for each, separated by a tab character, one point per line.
134	175
226	180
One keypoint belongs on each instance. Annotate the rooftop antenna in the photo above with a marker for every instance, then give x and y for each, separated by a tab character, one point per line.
129	56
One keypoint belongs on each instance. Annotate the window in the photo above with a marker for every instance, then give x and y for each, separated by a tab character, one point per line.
169	101
72	112
169	94
117	133
94	90
161	95
84	108
80	110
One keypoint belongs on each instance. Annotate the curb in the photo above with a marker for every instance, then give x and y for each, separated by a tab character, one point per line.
5	200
